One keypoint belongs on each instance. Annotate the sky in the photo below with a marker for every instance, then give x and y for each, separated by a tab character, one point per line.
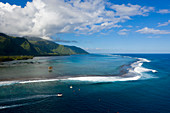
98	26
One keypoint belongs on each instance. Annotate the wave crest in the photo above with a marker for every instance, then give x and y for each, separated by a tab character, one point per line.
138	66
134	72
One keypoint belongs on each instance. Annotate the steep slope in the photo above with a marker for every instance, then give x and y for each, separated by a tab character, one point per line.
50	47
77	50
34	46
15	46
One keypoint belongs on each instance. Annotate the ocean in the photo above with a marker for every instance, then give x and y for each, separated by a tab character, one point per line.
101	83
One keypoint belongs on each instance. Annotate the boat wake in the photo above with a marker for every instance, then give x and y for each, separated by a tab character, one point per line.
42	97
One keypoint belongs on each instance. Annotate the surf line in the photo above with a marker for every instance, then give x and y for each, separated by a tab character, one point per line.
136	69
134	73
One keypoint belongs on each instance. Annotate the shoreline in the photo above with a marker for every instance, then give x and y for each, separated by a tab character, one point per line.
11	58
6	58
132	71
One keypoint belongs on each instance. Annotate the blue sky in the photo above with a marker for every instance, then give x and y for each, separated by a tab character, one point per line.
133	26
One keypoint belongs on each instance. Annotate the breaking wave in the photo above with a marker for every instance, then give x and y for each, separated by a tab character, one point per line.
137	67
5	83
135	72
104	79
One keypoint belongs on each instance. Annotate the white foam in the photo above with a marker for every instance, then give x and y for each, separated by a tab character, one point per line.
35	81
144	60
135	73
138	66
142	69
6	83
24	104
11	106
16	105
89	78
104	79
26	98
19	105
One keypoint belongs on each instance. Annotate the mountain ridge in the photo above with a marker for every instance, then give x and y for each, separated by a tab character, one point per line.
36	46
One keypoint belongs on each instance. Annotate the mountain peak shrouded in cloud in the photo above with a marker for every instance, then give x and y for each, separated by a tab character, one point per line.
45	18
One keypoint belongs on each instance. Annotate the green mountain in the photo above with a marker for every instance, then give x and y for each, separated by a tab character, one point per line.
10	45
15	46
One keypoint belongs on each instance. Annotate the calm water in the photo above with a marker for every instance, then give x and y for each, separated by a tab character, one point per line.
101	83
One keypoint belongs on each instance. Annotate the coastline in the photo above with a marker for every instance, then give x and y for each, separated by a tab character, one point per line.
11	58
26	57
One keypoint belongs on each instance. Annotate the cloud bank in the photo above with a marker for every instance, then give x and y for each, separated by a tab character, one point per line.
164	24
45	18
163	11
147	30
123	32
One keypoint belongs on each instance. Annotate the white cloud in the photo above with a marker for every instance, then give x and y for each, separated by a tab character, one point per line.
163	11
164	24
147	30
45	18
131	10
123	32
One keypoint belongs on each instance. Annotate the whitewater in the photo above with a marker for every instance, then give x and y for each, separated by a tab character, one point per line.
135	71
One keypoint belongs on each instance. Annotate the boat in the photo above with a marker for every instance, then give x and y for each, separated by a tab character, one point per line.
71	87
59	95
50	68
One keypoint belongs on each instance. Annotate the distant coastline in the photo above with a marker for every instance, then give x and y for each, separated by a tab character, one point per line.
11	58
24	57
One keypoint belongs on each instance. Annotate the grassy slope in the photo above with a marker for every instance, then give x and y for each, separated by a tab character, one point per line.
34	46
15	46
10	58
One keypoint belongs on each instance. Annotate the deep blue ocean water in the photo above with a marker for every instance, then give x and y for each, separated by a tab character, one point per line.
106	83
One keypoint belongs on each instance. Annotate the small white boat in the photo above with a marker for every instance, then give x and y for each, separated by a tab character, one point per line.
59	95
71	87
